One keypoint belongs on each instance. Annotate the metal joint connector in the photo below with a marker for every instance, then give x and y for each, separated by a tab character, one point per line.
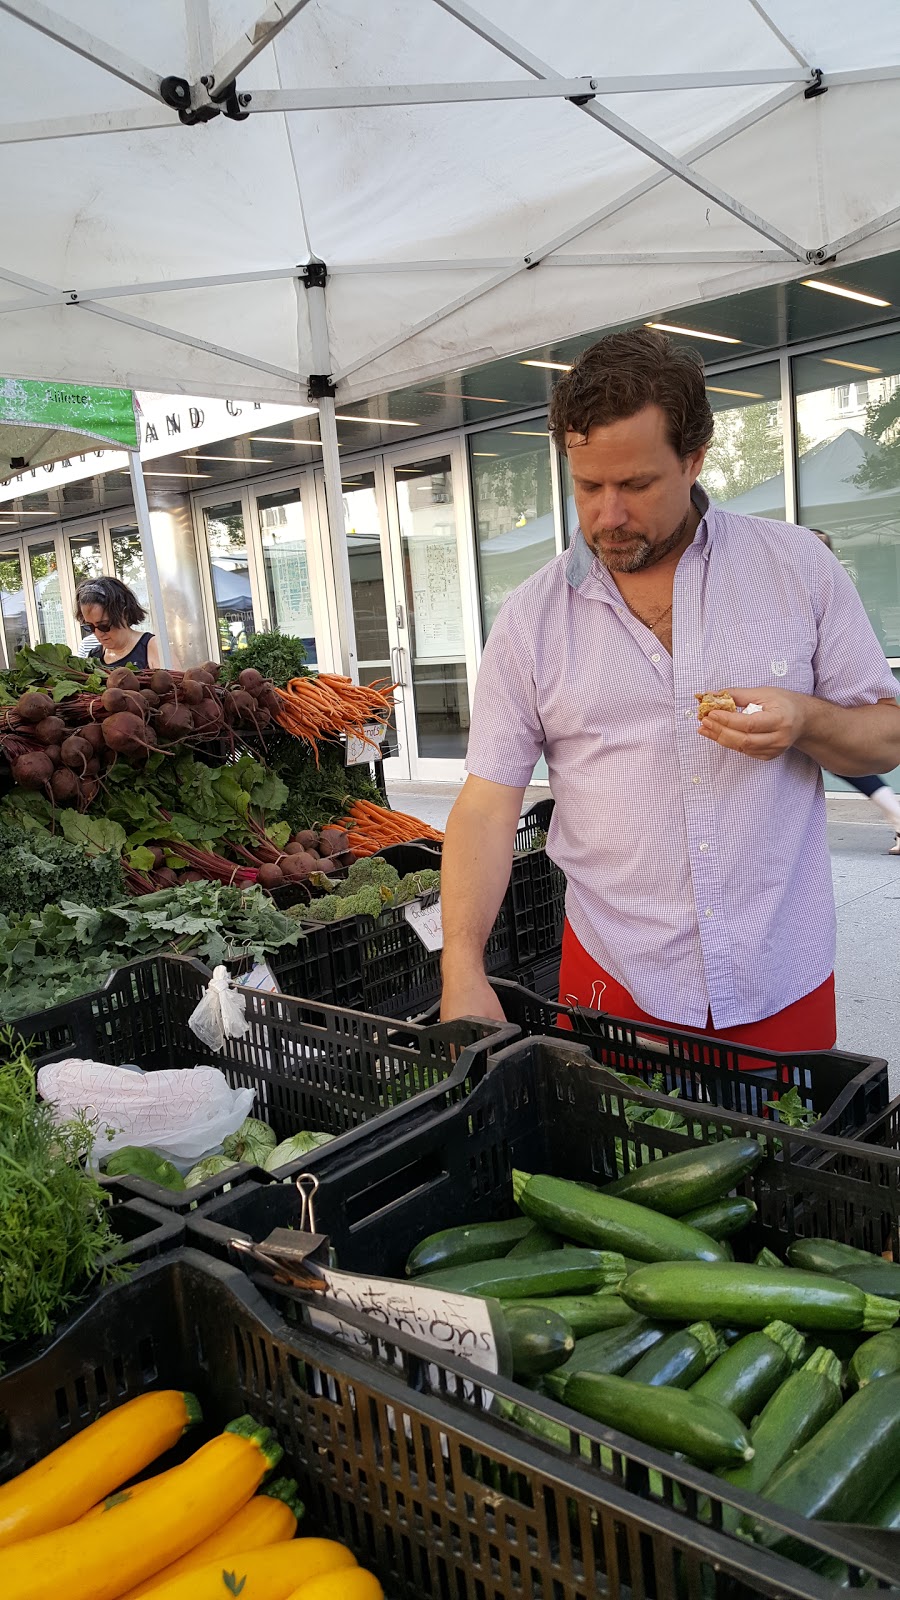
816	86
314	274
320	387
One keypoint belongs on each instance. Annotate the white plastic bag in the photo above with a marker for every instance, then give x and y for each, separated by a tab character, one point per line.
184	1113
219	1014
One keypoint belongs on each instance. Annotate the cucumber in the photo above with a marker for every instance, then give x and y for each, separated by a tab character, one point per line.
883	1278
536	1242
767	1259
722	1218
671	1419
586	1313
691	1178
826	1255
612	1351
530	1276
539	1340
717	1291
795	1413
747	1375
678	1359
605	1222
840	1473
479	1241
876	1358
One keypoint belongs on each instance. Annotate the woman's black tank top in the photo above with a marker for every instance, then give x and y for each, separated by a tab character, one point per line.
136	657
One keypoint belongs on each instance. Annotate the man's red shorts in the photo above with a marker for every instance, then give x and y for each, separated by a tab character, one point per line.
808	1024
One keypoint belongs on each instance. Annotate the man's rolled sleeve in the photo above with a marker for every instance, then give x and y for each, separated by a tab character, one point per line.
506	738
849	663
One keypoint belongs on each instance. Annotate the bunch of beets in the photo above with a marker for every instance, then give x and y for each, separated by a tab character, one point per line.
64	749
311	850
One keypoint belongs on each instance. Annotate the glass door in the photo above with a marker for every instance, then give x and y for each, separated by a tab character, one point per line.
225	529
290	603
47	589
434	627
13	602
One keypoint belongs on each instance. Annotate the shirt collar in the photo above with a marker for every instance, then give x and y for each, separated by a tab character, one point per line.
582	561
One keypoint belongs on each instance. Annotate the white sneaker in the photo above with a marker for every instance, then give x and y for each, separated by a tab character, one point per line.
895	847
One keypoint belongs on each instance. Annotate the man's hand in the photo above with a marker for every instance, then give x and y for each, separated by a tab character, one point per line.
470	997
766	734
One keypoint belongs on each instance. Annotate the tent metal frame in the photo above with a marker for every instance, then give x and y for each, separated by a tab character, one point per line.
213	91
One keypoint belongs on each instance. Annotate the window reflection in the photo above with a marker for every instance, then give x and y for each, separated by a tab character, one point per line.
744	466
286	567
848	429
514	524
12	604
47	594
230	569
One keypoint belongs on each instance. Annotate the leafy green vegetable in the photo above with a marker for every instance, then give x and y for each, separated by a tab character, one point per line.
252	1141
70	948
209	1167
56	1229
36	871
318	793
139	1161
94	834
276	655
414	884
791	1110
299	1144
51	668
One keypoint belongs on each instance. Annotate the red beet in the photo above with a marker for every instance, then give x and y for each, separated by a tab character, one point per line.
92	734
33	770
174	722
33	707
76	753
161	682
124	732
90	789
64	787
270	876
121	678
190	692
50	730
54	752
252	681
113	701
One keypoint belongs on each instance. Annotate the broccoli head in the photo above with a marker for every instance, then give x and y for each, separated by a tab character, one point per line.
325	909
366	902
415	884
372	871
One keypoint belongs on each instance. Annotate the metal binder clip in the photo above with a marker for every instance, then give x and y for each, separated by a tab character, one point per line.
307	1184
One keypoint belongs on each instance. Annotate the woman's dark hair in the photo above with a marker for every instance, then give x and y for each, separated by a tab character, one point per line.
623	373
120	603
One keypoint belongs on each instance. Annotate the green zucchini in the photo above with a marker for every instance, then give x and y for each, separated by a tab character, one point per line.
539	1340
886	1511
478	1241
840	1473
607	1223
547	1429
747	1375
536	1242
530	1276
692	1178
679	1358
722	1218
795	1413
586	1313
767	1259
612	1351
883	1278
876	1358
671	1419
718	1291
827	1255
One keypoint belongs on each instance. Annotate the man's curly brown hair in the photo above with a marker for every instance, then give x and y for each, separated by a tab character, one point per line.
620	375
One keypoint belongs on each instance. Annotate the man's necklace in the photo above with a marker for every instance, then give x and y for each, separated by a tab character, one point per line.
650	622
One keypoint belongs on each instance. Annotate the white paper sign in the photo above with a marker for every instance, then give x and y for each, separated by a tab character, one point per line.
259	977
359	750
455	1324
426	922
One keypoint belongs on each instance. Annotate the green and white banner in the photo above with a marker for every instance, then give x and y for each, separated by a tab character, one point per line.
106	414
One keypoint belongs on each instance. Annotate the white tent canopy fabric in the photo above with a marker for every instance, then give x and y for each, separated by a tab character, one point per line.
476	181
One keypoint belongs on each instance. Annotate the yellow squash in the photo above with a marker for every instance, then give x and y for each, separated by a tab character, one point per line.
101	1558
269	1518
59	1489
355	1585
269	1574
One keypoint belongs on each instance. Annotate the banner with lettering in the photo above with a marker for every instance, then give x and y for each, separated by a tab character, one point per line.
107	414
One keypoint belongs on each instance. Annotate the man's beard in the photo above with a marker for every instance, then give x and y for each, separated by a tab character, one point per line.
634	552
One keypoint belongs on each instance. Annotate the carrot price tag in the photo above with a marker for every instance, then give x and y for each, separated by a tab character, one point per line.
425	921
360	750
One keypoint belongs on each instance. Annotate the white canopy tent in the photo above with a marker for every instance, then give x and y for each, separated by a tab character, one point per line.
343	196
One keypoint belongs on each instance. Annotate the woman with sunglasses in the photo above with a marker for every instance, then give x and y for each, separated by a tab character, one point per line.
111	610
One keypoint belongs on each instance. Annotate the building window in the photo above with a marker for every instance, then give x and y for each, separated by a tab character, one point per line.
744	467
848	480
514	523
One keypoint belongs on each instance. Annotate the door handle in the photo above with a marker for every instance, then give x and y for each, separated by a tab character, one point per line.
397	666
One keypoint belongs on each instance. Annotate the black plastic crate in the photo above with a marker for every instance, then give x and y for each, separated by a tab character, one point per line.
309	962
846	1092
884	1127
312	1066
380	964
430	1492
536	898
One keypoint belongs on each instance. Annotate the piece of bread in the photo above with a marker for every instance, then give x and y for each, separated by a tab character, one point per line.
713	702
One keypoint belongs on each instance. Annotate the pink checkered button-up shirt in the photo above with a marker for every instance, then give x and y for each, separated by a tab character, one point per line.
698	877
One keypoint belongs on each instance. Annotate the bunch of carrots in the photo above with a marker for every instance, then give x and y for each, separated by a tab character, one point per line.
372	827
319	707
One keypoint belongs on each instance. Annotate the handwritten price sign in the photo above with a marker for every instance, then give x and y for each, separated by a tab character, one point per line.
426	922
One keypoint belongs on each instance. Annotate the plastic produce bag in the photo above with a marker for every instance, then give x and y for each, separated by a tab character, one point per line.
183	1113
219	1015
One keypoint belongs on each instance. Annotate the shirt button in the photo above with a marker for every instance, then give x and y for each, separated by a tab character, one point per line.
656	656
704	845
708	912
695	780
689	714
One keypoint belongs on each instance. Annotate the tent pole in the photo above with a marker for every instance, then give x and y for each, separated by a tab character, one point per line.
321	390
142	511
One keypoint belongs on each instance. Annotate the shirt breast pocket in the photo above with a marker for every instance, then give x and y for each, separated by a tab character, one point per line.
776	653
